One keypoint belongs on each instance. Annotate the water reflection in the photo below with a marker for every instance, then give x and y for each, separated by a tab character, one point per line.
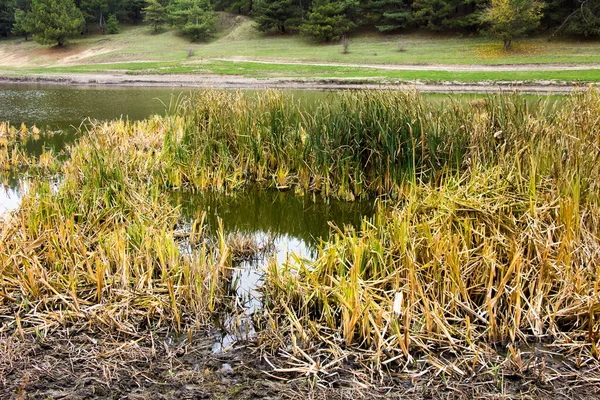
61	107
297	224
10	198
303	217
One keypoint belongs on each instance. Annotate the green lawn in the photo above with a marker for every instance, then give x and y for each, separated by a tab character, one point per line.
136	50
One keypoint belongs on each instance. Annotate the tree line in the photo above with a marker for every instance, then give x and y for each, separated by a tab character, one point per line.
327	20
53	21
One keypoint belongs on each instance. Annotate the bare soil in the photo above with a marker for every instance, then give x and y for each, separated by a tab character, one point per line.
96	365
240	82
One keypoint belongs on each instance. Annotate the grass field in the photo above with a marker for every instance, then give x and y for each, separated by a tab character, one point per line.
136	50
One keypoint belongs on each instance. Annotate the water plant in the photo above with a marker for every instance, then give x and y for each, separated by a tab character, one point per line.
487	233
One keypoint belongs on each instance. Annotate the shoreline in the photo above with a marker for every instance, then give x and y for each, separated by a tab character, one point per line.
241	82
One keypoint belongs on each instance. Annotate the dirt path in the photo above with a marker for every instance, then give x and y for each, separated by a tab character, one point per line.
430	67
240	82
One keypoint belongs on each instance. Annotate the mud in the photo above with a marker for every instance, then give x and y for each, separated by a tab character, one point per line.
240	82
96	365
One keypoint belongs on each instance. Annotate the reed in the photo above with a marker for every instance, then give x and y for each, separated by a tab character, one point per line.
358	144
105	257
488	231
504	250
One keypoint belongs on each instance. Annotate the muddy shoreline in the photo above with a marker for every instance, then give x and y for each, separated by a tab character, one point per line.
240	82
98	365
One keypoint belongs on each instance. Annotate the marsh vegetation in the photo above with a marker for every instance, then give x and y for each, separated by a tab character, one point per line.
485	239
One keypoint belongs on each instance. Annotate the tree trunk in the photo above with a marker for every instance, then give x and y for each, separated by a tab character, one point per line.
100	24
507	43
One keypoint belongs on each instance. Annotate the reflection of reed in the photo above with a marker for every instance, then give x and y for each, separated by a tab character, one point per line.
280	213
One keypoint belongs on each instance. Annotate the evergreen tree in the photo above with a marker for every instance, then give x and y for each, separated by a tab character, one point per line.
155	14
583	21
54	21
241	7
448	14
133	9
112	25
194	18
95	11
7	13
391	15
234	6
511	19
22	26
278	15
327	21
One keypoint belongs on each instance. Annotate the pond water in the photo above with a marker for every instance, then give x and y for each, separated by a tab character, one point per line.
293	223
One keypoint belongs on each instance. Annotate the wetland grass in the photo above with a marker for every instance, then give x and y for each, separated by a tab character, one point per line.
488	233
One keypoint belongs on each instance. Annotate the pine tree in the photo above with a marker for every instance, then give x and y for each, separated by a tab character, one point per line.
94	11
327	21
391	15
584	21
155	14
448	14
133	9
7	13
277	14
112	25
54	21
22	24
511	19
194	18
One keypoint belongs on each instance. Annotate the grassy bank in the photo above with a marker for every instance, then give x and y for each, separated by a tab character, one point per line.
321	72
135	50
486	240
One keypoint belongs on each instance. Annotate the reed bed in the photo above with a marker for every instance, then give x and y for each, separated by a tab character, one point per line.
503	252
356	145
102	253
488	233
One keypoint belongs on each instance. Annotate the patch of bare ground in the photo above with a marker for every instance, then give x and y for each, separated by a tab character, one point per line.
81	57
23	54
96	365
10	58
241	82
